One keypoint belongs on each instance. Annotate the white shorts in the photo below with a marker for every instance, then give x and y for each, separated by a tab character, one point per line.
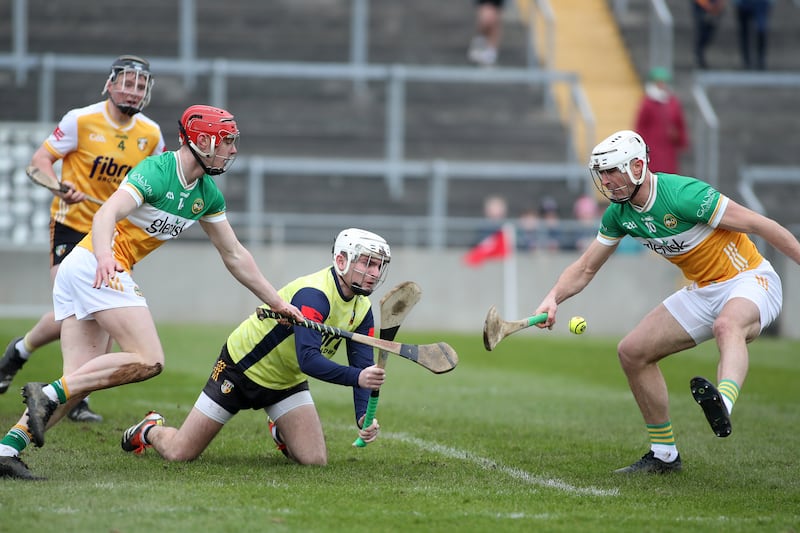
696	308
73	293
216	412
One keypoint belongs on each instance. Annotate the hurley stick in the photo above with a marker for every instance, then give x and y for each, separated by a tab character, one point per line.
438	358
38	177
496	329
395	306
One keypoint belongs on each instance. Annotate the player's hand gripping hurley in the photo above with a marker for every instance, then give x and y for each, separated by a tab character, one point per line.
438	358
496	329
395	306
38	177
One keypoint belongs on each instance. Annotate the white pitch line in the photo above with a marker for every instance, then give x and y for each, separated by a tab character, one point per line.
488	464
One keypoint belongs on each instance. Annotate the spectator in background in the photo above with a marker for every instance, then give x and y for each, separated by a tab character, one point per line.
660	120
552	231
707	14
587	220
749	13
483	48
495	211
528	229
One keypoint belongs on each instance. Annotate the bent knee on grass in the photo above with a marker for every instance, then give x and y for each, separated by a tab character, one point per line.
172	445
310	459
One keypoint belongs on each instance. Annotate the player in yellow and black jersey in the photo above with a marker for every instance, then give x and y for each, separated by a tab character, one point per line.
265	364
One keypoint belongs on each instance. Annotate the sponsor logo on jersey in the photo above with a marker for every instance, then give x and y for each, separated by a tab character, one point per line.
165	227
667	247
141	142
170	196
629	224
58	133
141	181
97	137
670	221
197	206
104	168
705	205
329	345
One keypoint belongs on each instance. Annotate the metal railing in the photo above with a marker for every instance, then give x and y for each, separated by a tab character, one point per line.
394	167
661	32
187	38
26	222
706	128
258	224
396	77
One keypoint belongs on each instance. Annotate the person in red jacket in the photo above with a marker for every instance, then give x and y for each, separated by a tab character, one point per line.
660	120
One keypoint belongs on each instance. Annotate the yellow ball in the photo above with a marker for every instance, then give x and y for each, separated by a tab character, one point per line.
577	325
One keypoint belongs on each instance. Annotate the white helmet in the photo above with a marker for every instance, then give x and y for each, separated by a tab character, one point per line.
353	243
617	151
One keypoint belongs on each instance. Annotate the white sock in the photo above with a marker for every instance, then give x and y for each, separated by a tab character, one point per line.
664	452
8	451
22	350
728	403
51	393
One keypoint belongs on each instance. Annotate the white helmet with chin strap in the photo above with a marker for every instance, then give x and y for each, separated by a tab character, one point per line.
617	152
353	243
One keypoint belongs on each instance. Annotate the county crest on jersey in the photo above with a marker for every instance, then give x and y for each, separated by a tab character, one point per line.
679	221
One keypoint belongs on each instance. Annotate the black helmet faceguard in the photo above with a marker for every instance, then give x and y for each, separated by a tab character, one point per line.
134	73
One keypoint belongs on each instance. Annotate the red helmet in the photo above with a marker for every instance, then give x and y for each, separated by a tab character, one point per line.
214	122
207	119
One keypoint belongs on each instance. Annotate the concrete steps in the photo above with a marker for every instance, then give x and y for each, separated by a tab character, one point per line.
320	118
757	125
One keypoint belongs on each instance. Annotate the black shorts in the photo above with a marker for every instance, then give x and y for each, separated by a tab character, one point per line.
62	240
232	390
498	3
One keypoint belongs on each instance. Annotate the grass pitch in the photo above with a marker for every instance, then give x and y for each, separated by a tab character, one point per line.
520	439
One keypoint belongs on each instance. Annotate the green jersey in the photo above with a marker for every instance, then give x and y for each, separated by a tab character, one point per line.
679	221
167	207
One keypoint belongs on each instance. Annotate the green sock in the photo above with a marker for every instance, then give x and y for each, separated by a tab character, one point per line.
17	438
729	391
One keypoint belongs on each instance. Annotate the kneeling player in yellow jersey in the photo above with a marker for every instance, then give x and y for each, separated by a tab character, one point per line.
264	365
735	292
95	296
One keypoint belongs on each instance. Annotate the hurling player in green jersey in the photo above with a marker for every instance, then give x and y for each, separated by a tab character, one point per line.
95	296
734	292
265	365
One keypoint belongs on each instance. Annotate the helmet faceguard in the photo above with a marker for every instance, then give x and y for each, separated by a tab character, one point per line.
618	151
218	125
355	244
129	84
